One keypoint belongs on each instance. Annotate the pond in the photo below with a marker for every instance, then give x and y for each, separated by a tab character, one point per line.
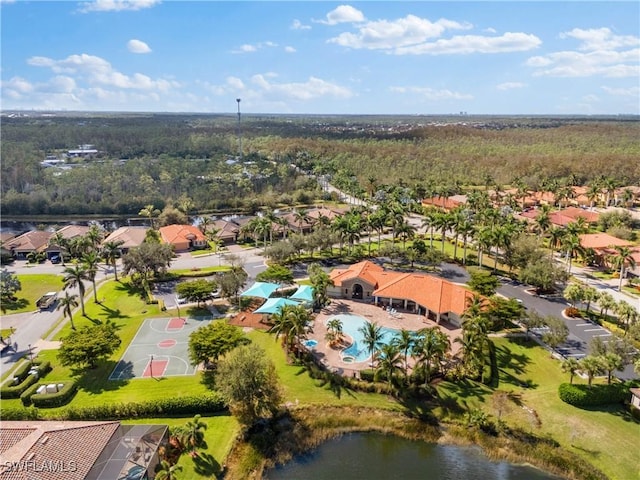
376	456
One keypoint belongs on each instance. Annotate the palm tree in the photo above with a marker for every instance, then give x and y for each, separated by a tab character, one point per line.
431	346
67	304
405	231
290	322
627	314
61	242
593	193
611	362
167	471
90	261
464	228
606	303
556	236
405	340
94	236
572	246
621	259
75	276
590	294
193	433
390	362
570	366
591	366
150	212
373	334
334	330
111	252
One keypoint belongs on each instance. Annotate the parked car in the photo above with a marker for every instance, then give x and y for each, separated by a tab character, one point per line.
55	259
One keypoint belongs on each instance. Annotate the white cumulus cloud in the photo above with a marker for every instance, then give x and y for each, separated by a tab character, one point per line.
289	49
599	52
468	44
633	92
116	5
298	25
250	48
138	46
343	14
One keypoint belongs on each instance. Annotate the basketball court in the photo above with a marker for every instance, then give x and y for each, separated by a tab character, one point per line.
159	349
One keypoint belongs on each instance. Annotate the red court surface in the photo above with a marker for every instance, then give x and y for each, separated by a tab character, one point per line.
168	343
176	324
155	367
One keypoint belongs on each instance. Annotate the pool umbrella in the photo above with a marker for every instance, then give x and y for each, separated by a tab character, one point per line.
274	305
304	293
260	289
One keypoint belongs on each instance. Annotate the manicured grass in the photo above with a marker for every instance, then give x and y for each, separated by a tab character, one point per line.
606	437
219	437
187	271
33	287
298	387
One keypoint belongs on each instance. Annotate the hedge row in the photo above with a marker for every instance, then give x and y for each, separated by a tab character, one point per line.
594	395
15	391
208	403
57	399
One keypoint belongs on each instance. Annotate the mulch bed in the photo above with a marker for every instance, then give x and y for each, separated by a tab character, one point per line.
249	319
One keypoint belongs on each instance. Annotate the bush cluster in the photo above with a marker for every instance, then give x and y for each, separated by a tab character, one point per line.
57	399
594	395
572	312
26	380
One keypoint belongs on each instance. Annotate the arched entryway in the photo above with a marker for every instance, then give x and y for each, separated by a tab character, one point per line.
357	291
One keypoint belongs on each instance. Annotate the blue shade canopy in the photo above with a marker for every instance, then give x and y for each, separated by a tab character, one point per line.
304	293
274	305
260	289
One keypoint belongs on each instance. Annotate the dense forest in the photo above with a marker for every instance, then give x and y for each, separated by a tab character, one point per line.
193	160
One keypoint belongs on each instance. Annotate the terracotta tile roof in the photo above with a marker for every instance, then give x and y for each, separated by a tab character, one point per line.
6	236
316	213
226	229
365	270
173	234
448	203
601	241
73	231
131	236
55	450
10	436
434	293
33	241
575	213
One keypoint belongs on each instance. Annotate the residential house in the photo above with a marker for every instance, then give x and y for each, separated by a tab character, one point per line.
130	237
183	237
33	241
68	232
603	246
562	218
635	397
227	231
434	297
53	450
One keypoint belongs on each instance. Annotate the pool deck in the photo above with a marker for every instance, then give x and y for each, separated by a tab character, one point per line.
331	357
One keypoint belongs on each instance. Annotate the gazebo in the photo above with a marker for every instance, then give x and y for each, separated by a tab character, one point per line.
303	294
260	289
274	305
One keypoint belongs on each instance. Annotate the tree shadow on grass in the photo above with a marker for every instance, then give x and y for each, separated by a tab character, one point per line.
205	465
96	381
16	304
112	314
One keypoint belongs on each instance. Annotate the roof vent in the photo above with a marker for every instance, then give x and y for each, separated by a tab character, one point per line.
31	455
44	440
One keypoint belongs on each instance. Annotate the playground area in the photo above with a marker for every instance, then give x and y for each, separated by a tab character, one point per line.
159	349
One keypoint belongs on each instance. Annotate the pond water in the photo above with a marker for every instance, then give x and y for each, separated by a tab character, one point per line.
374	456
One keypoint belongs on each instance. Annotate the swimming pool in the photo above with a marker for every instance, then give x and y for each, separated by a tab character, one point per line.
358	352
310	343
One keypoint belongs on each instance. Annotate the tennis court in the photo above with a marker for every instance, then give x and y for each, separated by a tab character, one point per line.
159	349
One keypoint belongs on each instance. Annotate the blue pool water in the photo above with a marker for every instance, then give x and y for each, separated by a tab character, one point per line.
310	343
358	350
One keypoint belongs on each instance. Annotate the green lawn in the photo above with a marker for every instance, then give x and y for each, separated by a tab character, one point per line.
33	287
606	437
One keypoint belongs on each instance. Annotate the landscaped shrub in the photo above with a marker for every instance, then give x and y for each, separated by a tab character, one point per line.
572	312
25	397
30	413
208	403
22	371
585	396
15	391
367	375
57	399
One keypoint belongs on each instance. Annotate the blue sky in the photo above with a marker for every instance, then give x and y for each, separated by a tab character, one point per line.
319	57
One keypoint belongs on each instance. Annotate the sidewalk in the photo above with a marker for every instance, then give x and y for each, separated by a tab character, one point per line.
610	286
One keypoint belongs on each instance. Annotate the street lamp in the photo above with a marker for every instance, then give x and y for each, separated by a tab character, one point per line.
151	366
30	354
178	306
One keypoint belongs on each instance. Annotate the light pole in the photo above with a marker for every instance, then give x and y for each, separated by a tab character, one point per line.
151	367
30	354
178	306
239	131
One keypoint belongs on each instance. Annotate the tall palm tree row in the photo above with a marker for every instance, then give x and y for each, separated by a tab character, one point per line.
74	276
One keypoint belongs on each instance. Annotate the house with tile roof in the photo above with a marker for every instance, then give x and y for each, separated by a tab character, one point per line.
130	237
33	241
183	237
68	232
445	203
72	450
428	295
226	230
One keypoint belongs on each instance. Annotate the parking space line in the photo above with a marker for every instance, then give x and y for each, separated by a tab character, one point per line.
603	335
584	324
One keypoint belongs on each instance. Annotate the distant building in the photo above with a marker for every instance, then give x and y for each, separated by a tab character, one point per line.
130	237
33	241
183	237
83	151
